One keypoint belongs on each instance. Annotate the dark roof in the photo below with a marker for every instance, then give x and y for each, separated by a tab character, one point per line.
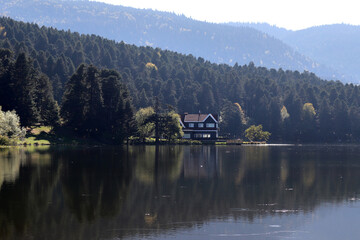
196	117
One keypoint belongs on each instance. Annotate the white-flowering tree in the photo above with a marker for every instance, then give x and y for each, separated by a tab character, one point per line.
10	126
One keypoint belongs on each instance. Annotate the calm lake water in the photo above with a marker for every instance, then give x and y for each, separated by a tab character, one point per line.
180	192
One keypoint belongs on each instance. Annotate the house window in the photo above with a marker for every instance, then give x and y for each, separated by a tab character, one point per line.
200	125
191	125
198	135
210	125
206	135
187	135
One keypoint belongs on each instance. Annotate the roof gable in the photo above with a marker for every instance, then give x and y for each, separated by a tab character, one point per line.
210	115
181	123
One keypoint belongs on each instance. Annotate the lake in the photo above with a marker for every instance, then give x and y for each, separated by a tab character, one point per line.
180	192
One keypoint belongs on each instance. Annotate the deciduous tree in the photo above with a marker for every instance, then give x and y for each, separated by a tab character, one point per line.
255	133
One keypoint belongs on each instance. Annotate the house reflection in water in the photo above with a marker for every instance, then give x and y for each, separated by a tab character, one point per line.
201	162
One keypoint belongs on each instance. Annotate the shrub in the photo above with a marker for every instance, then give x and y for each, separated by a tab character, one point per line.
5	141
10	129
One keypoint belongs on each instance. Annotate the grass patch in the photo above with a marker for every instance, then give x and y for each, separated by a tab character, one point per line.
39	136
35	141
38	130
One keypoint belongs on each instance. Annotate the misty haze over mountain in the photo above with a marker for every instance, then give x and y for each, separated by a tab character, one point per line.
335	46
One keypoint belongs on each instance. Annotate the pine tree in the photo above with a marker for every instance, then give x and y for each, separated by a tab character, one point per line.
341	119
23	84
94	101
326	122
6	91
97	105
45	103
143	100
74	102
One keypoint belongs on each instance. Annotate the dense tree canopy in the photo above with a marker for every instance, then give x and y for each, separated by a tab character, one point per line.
24	89
292	106
218	43
96	104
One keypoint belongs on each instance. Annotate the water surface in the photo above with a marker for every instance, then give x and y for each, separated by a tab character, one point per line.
180	192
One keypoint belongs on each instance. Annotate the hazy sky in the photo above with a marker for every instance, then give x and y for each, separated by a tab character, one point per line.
291	14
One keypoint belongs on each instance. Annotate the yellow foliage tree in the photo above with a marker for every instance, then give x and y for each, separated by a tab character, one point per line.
151	66
242	113
309	111
284	113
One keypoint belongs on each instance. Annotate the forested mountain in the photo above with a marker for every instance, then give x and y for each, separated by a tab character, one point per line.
214	42
336	46
293	106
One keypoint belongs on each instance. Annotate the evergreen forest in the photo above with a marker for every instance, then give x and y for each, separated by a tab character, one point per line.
93	85
218	43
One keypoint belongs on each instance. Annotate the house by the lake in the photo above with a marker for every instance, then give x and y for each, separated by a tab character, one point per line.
200	126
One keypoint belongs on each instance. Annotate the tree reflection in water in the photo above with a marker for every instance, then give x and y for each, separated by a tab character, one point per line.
93	193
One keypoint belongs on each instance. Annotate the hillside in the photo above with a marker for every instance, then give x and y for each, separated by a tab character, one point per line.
214	42
293	106
336	46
